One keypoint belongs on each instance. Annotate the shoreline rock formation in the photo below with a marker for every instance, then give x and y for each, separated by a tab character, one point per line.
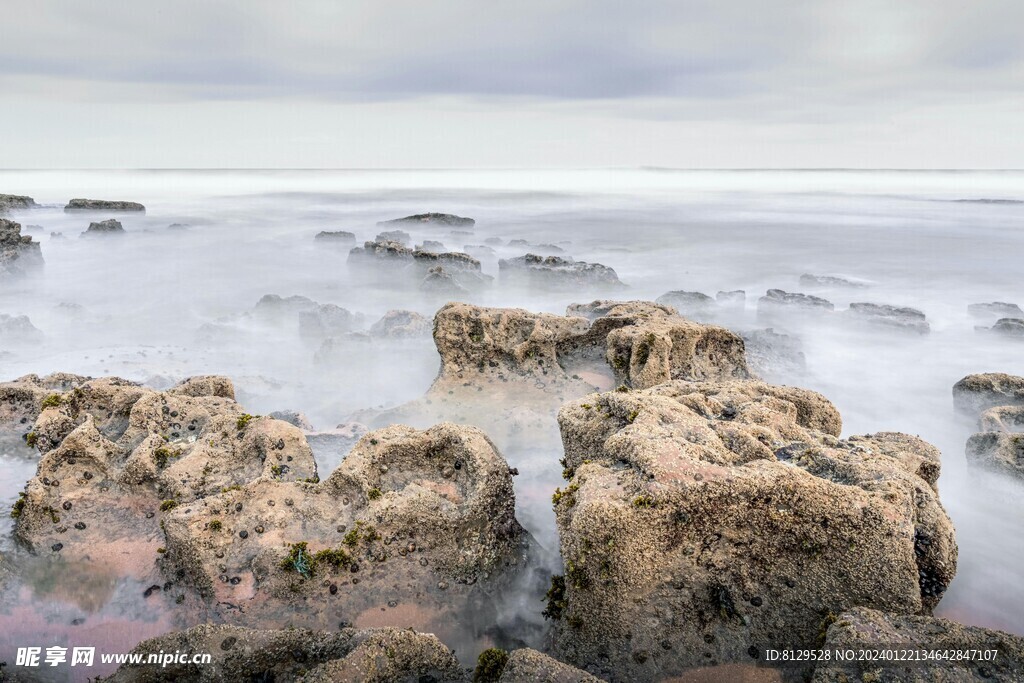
453	273
901	318
557	272
706	521
108	227
19	254
342	236
76	205
16	202
444	219
996	400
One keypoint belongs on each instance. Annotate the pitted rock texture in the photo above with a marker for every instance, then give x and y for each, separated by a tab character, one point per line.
117	457
976	393
21	400
557	272
703	521
102	205
445	219
18	253
866	627
422	522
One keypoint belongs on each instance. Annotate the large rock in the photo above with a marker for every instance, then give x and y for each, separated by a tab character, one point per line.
445	219
557	272
1000	452
110	226
15	202
419	523
689	304
705	522
1002	419
777	299
18	253
900	318
18	330
448	272
102	205
1009	327
862	627
995	309
976	393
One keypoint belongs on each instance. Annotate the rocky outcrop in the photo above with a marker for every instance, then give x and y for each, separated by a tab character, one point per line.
997	451
15	202
777	299
18	253
399	236
704	522
689	304
23	399
431	245
995	309
432	219
444	272
387	252
557	272
1009	327
400	324
242	654
341	236
1002	419
480	251
415	521
975	393
829	282
863	628
899	318
107	227
102	205
18	330
315	321
772	354
530	666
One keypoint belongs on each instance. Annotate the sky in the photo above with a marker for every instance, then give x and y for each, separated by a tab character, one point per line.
552	83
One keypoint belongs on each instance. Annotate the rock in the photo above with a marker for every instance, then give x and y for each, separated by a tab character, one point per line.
736	298
1000	452
439	281
494	241
829	282
178	226
451	272
22	400
445	219
336	236
424	519
19	255
18	330
706	521
400	236
899	318
557	272
463	268
776	299
56	235
1009	327
381	252
976	393
771	354
402	324
995	309
293	417
331	446
479	251
1002	419
530	666
315	321
107	227
518	243
689	304
102	205
862	626
546	249
431	246
242	654
118	457
15	202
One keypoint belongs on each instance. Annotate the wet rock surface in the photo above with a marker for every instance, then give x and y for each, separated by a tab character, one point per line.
443	219
15	202
110	226
975	393
557	272
1000	452
102	205
899	318
19	254
445	272
866	627
706	521
21	400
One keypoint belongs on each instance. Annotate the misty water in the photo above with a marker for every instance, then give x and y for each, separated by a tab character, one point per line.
159	304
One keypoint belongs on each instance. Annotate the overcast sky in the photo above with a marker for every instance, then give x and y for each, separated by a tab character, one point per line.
477	83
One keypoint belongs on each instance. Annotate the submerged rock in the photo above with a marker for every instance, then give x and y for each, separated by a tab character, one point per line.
445	219
771	354
19	254
382	252
336	236
1000	452
829	281
399	236
107	227
557	272
777	299
315	320
862	627
899	318
704	522
402	324
976	393
1009	327
995	309
102	205
18	330
479	251
689	304
452	272
16	202
431	245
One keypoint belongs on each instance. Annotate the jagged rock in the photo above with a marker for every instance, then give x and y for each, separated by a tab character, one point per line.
705	520
336	236
293	417
117	457
399	236
554	271
829	281
1002	419
689	304
899	318
446	271
736	298
102	205
1009	327
22	400
420	520
445	219
862	627
18	253
772	354
107	227
976	393
402	325
431	245
385	252
18	330
242	654
16	202
1001	452
776	299
995	309
462	268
